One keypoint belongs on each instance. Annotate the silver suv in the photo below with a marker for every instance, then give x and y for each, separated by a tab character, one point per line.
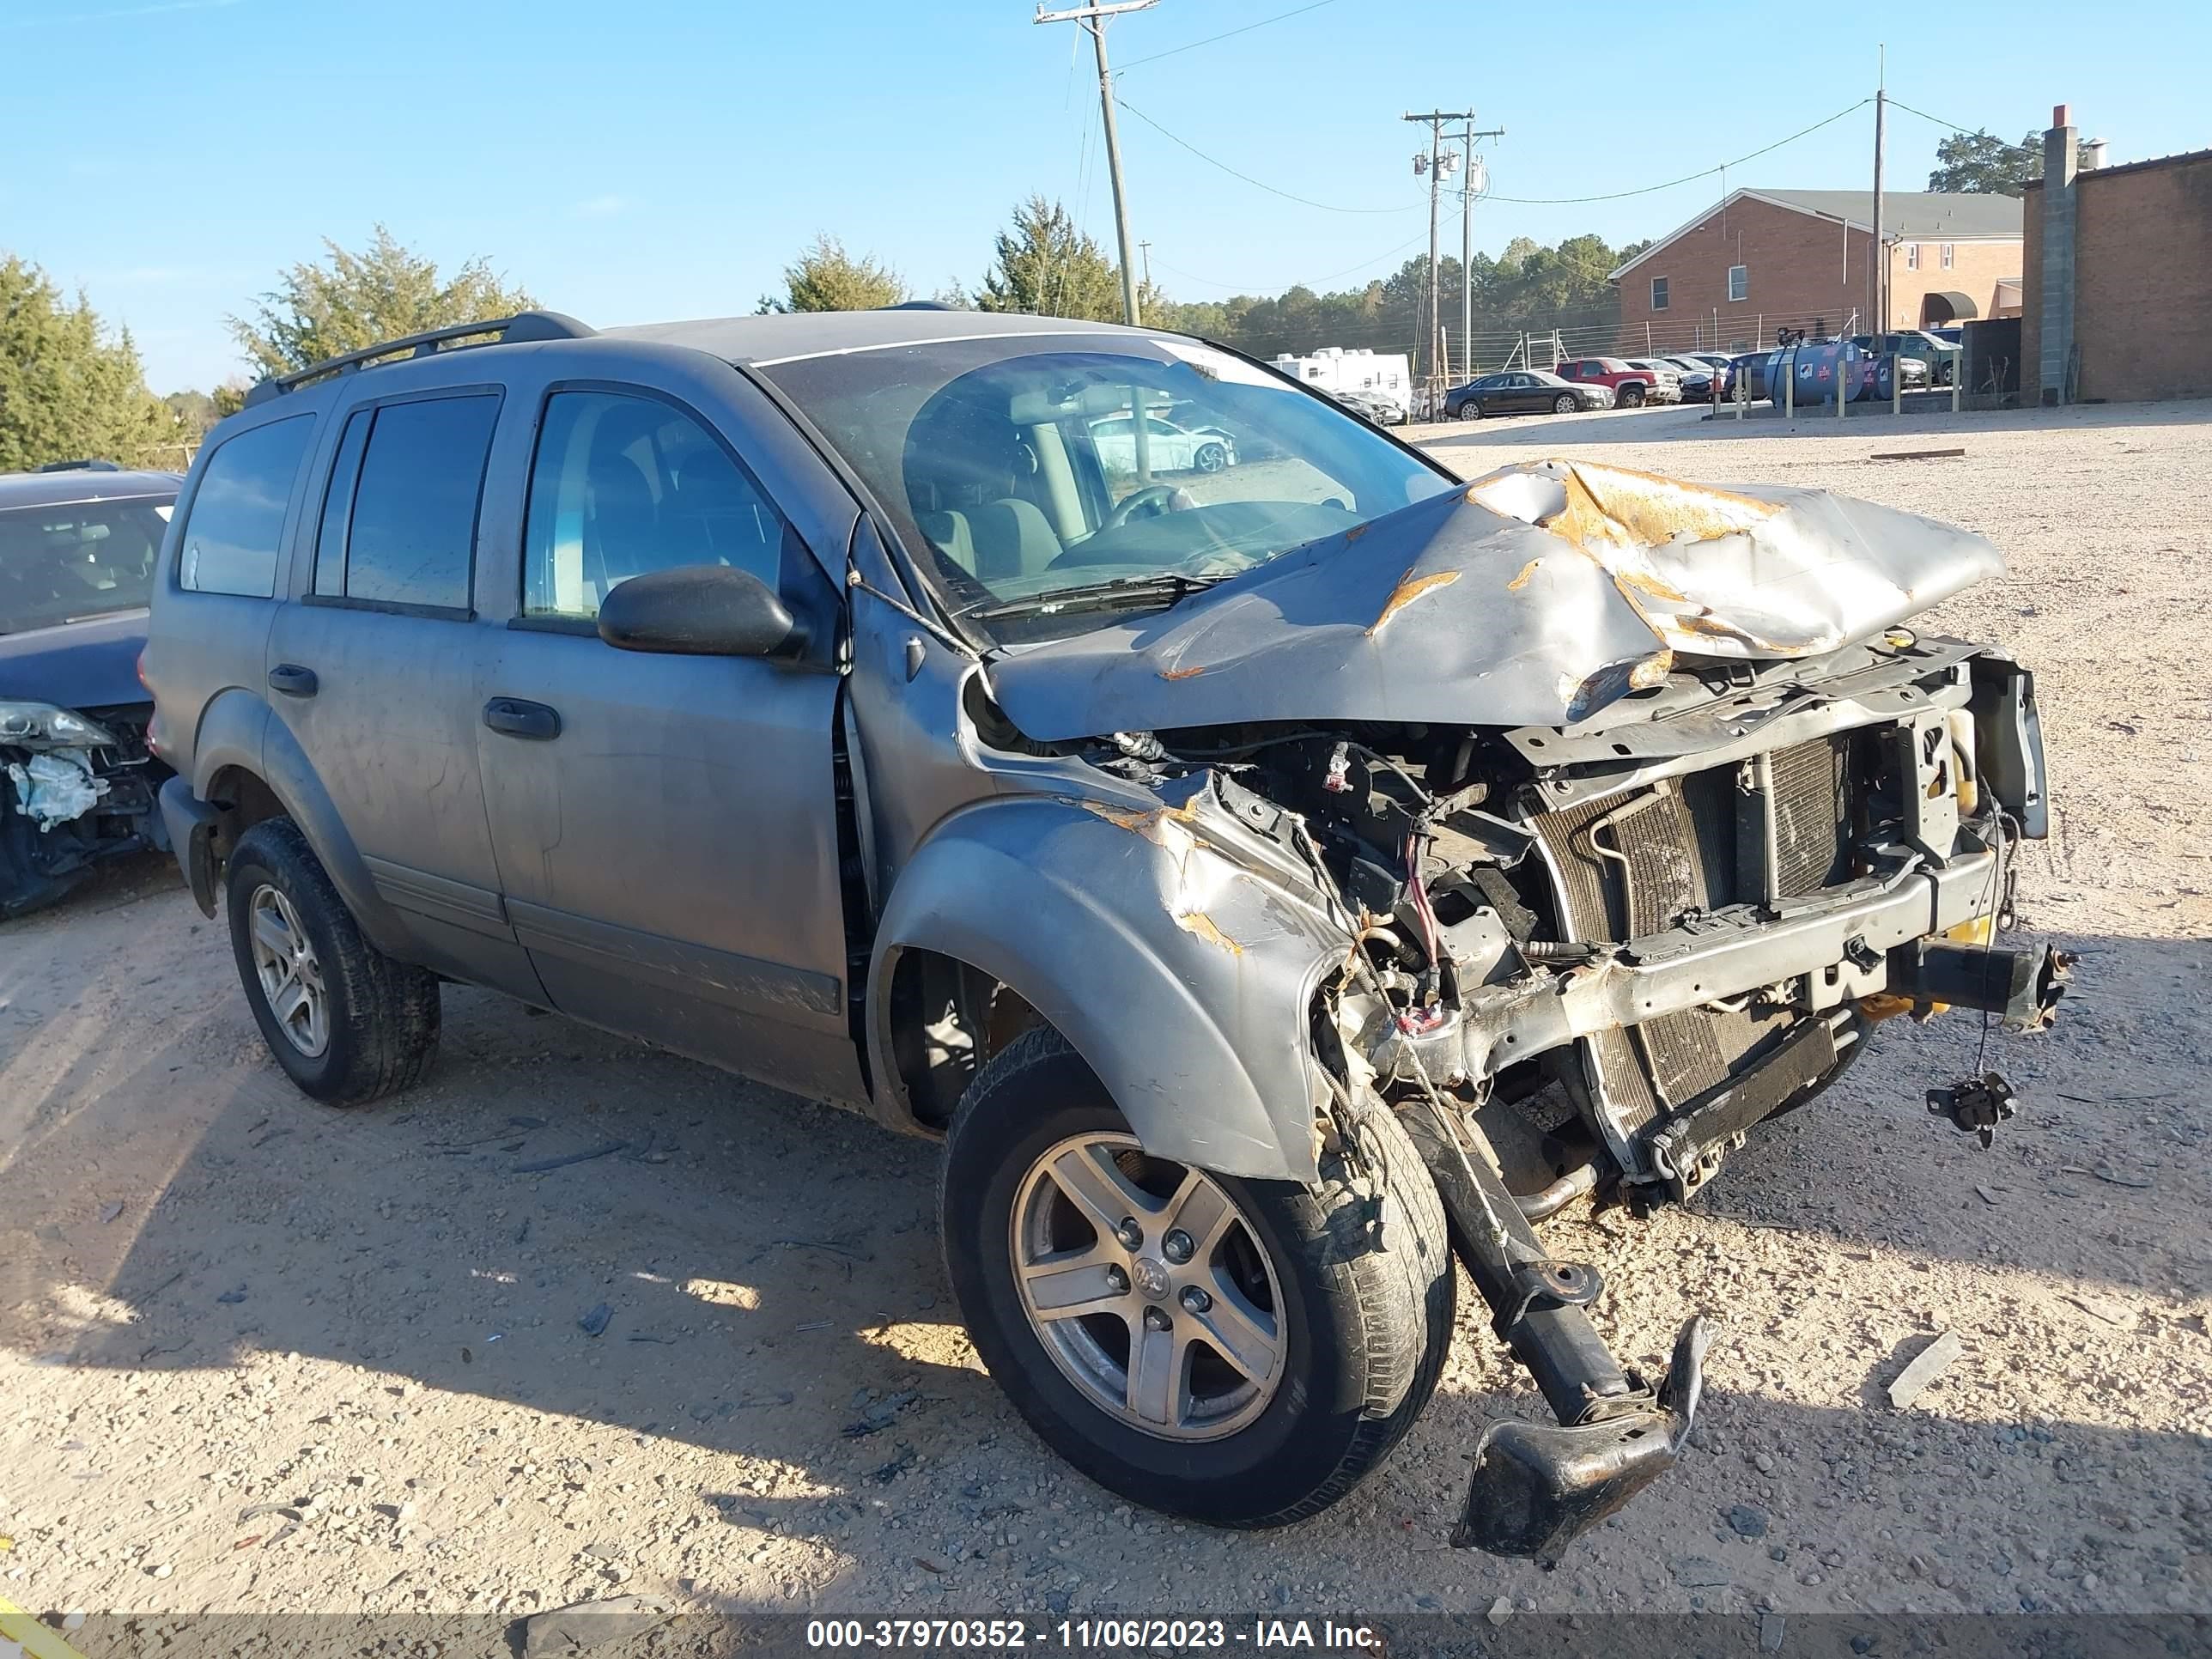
1218	859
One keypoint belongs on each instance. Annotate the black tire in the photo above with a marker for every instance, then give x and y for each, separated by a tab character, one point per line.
1472	410
1564	404
383	1014
1632	397
1211	458
1367	1324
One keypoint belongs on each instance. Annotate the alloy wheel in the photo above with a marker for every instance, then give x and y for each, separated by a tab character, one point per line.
1148	1287
291	975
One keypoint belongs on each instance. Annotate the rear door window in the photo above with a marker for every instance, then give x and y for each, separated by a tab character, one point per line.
237	519
399	523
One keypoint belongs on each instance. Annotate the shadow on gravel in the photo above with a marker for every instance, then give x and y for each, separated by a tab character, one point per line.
123	879
579	1226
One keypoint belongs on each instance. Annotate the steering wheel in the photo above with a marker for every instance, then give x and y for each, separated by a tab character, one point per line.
1152	500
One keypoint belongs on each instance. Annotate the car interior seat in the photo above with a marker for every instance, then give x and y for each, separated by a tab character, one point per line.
1012	539
963	463
714	516
623	525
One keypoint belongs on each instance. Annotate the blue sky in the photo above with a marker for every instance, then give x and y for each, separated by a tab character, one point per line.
664	158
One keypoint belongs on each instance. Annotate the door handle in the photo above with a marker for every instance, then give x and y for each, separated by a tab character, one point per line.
293	680
520	719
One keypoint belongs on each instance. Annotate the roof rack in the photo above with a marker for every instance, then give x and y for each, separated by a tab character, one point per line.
87	465
524	328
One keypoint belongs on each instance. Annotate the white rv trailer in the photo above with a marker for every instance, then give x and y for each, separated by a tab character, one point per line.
1387	375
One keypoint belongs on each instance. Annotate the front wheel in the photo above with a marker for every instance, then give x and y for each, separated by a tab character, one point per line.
1564	404
1632	397
1470	410
1238	1352
1212	457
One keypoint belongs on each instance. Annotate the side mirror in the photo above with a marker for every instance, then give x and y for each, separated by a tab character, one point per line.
699	610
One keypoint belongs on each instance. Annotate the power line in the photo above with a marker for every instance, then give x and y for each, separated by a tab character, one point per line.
1210	39
1687	178
1328	277
1970	132
1256	184
1487	195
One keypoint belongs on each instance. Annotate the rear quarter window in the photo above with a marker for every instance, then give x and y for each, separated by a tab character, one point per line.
236	523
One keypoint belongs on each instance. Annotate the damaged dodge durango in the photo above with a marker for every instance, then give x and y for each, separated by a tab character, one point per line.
1270	881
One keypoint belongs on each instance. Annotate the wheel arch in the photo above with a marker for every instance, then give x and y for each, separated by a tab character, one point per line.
253	770
1195	1019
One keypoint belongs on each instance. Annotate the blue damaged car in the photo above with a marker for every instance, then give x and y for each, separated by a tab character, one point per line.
78	543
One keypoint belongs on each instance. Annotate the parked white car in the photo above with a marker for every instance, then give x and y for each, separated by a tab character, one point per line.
1173	448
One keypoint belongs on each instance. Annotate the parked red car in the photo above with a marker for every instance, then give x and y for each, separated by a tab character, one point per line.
1630	386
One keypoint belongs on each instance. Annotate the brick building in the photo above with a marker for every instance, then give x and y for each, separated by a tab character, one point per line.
1803	259
2102	318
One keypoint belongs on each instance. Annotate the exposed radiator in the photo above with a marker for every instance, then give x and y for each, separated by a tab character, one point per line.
1808	817
1635	865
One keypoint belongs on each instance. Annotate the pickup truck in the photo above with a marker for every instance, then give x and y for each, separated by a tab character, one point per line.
1630	387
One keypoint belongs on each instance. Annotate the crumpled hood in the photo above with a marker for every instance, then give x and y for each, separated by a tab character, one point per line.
1534	597
84	665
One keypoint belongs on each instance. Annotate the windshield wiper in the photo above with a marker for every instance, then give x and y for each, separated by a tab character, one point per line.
1123	593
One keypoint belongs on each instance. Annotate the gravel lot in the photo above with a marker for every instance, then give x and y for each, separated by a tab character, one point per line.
217	1299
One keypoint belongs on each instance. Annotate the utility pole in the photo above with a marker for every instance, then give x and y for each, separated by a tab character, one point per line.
1881	247
1093	18
1432	164
1467	192
1146	248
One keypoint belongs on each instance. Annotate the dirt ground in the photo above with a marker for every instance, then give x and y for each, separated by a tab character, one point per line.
218	1299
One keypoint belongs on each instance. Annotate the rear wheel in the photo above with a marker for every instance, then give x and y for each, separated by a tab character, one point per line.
348	1024
1564	404
1239	1352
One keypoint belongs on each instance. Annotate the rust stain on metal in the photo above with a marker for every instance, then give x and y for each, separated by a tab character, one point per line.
1198	922
1644	582
1521	581
1411	588
1151	825
1620	507
1354	534
1182	673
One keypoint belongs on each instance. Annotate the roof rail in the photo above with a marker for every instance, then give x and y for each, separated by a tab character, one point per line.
87	465
524	328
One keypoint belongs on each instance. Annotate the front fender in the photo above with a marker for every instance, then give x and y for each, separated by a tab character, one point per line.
1182	977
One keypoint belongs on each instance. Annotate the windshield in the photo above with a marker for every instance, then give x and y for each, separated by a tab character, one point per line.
65	563
1022	469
